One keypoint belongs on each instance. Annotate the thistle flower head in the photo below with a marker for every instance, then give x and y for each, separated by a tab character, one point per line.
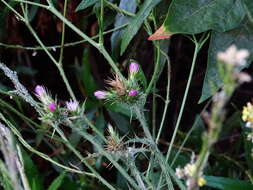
134	67
100	94
40	91
132	92
233	56
114	143
72	105
118	85
52	107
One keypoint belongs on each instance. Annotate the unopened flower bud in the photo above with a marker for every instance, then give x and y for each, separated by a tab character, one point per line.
52	107
134	68
40	91
100	94
132	92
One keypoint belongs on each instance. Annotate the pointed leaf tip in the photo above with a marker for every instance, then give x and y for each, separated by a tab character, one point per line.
160	34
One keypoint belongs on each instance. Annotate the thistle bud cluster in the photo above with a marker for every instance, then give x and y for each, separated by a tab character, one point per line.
46	99
126	91
53	110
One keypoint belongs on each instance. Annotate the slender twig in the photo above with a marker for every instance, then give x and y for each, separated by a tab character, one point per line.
101	23
116	8
59	46
167	98
63	33
32	3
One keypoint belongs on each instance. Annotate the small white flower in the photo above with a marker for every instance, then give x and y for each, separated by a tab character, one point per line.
248	124
180	173
243	77
233	56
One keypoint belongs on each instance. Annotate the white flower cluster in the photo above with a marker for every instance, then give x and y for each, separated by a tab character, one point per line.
235	57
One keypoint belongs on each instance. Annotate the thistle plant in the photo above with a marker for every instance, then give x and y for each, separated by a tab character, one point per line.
82	130
123	91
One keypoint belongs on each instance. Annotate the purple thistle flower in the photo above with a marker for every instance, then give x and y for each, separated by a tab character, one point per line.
72	105
132	92
100	94
134	67
52	107
40	91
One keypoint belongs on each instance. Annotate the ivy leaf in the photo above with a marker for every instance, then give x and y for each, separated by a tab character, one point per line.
196	16
241	37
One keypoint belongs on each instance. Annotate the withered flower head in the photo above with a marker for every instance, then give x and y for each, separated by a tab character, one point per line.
114	142
118	85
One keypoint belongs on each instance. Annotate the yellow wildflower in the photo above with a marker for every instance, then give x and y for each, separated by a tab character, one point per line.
201	182
247	113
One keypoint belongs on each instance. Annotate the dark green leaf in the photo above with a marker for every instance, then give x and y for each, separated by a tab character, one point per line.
119	108
32	173
33	11
197	16
136	22
57	182
227	183
120	20
121	121
85	4
84	74
249	9
241	37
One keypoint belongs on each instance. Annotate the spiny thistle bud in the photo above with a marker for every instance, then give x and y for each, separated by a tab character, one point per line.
118	85
40	91
72	105
114	143
44	96
100	94
132	92
52	107
134	68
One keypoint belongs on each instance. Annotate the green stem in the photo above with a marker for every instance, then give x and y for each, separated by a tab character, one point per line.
63	33
32	3
20	166
189	134
59	46
156	70
109	157
30	148
196	50
101	23
162	162
116	8
62	73
84	36
166	101
68	144
14	11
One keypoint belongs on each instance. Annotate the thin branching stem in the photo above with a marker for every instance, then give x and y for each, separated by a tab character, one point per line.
63	33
